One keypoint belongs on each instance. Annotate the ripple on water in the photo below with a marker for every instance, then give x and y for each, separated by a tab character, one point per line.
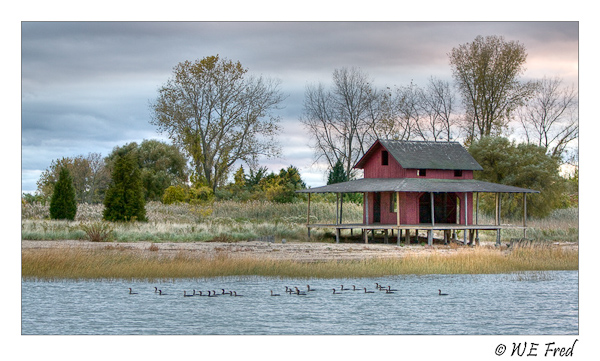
476	305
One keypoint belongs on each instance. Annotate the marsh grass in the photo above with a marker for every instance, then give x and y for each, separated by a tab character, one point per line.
121	263
236	221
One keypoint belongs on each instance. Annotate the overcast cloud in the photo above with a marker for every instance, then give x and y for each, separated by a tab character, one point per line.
86	86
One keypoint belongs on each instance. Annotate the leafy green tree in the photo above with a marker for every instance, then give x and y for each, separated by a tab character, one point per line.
337	174
282	187
486	72
63	204
520	165
219	115
89	174
161	165
124	199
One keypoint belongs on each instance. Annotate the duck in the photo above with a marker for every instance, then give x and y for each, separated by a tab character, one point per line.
368	291
211	293
344	289
186	295
288	290
274	294
155	289
309	289
388	291
442	294
236	295
299	293
354	288
160	293
379	287
336	293
197	294
131	292
389	288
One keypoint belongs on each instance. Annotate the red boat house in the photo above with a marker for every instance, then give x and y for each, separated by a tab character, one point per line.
418	185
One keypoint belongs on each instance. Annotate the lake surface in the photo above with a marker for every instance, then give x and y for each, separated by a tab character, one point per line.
527	303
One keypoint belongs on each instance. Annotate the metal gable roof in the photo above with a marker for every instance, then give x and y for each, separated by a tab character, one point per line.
416	185
426	155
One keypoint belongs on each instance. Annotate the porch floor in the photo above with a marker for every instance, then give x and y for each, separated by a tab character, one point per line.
422	226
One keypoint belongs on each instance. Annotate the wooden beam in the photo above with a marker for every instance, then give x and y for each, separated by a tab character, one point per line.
398	208
432	209
337	208
466	207
499	218
477	218
525	215
308	216
342	208
366	208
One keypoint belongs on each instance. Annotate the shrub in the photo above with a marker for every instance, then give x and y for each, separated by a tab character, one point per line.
97	231
174	194
63	204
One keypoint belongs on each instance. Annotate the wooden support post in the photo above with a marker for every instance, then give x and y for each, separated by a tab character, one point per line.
342	208
498	218
430	237
385	236
466	209
366	202
308	216
525	215
337	235
477	218
399	235
366	236
432	209
337	208
407	236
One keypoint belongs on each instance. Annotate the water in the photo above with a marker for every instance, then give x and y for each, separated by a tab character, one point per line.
529	303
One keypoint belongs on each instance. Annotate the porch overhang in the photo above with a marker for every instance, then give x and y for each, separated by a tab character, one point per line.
416	185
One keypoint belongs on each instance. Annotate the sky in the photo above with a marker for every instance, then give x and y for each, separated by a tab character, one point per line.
87	86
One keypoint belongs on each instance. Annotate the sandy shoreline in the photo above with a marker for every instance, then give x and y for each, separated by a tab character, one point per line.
300	251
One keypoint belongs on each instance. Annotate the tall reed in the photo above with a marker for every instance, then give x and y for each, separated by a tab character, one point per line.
115	262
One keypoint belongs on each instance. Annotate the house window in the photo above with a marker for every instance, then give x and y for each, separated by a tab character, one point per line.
458	173
384	157
393	205
421	172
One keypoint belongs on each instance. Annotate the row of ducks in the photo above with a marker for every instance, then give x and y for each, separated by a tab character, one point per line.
210	293
379	287
288	290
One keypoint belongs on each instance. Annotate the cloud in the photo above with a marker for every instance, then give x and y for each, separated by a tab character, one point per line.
86	86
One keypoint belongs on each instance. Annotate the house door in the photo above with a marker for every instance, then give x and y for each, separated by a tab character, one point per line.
377	208
445	207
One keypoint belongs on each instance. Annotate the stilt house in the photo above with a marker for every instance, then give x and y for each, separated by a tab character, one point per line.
416	185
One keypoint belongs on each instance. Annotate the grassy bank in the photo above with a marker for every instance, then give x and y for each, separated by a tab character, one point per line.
234	221
113	263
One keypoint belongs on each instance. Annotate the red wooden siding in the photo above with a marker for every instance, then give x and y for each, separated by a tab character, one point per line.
375	167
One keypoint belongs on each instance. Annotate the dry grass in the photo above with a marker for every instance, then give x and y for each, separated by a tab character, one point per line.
113	263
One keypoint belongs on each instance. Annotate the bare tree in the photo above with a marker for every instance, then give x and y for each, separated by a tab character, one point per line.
219	115
550	119
487	73
339	120
437	104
